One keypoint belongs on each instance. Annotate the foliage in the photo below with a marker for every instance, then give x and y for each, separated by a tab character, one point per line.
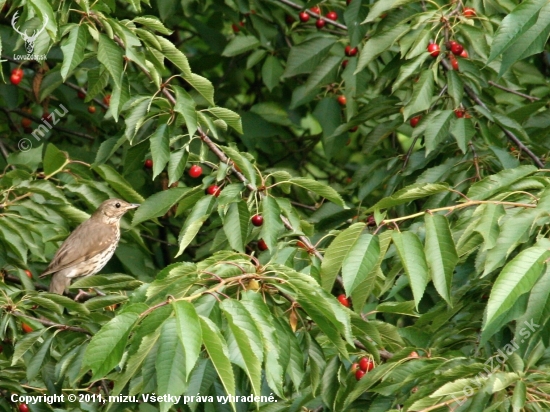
435	230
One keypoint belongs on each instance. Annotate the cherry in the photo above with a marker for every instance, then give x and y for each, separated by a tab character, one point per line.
316	10
26	328
464	54
468	12
46	115
213	190
235	28
350	52
354	367
371	221
148	164
262	245
344	64
28	273
91	109
18	71
16	76
304	17
414	121
23	407
289	19
434	49
342	100
257	220
81	95
459	113
456	48
26	122
195	171
353	129
359	374
332	15
107	99
320	24
343	300
413	354
366	364
454	62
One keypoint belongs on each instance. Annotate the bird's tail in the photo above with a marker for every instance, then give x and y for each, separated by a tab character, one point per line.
59	283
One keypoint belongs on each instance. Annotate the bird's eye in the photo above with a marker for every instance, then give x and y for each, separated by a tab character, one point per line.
117	205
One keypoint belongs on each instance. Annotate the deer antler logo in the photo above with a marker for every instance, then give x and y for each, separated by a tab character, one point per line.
29	40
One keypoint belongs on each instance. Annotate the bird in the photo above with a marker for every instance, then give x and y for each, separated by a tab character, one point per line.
89	247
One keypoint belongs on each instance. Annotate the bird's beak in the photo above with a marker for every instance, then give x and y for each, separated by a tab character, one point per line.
134	205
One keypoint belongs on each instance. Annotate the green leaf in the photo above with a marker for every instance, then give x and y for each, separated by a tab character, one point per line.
118	183
380	7
359	261
514	25
158	204
25	344
218	352
248	340
247	169
438	129
185	105
160	148
54	160
176	165
194	221
272	225
422	94
463	131
239	45
493	184
43	8
136	116
236	225
455	87
441	249
73	50
304	57
336	252
272	72
175	56
229	117
516	278
36	362
408	194
380	43
153	23
488	224
111	56
170	363
119	97
323	74
203	86
107	346
189	332
319	189
412	256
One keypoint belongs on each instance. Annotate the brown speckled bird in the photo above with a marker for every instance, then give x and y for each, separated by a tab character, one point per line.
89	247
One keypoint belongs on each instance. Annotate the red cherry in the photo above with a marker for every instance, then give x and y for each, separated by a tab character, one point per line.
15	80
345	64
414	121
213	190
91	109
23	407
332	15
353	129
464	54
342	100
28	273
359	374
366	364
107	99
320	24
257	220
81	95
235	28
371	221
413	354
148	164
17	72
26	328
195	171
350	52
456	48
45	115
354	367
304	17
459	113
343	300
289	19
468	12
262	245
433	49
315	10
454	62
25	122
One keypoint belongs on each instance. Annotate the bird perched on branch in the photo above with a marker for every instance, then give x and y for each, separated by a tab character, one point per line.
89	247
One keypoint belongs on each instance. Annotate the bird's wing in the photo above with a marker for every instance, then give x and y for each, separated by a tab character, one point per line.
85	242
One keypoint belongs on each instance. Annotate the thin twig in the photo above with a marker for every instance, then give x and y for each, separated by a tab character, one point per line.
476	160
5	153
46	322
312	14
76	87
526	96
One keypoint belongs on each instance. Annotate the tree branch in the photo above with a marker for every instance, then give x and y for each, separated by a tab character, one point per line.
46	322
526	96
